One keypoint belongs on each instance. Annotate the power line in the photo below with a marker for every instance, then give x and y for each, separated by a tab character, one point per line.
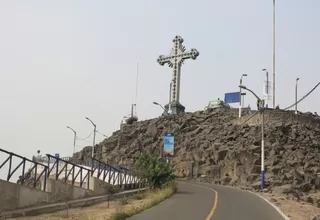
101	134
250	118
80	146
84	139
303	97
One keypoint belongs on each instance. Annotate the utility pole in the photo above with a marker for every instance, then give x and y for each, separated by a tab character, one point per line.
94	135
74	138
240	101
165	110
262	109
240	97
274	54
296	96
262	145
170	90
266	87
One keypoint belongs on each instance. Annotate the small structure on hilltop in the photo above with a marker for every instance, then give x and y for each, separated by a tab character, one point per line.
216	104
175	60
133	115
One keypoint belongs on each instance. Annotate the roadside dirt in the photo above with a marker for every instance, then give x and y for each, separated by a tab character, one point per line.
293	209
95	212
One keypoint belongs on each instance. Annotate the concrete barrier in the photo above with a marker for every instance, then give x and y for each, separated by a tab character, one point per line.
65	205
61	191
98	186
13	196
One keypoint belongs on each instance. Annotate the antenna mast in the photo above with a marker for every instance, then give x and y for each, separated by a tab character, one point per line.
133	116
135	101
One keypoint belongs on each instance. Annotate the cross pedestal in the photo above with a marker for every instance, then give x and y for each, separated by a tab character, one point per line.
176	108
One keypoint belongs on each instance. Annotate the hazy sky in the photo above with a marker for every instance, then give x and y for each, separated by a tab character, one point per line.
61	61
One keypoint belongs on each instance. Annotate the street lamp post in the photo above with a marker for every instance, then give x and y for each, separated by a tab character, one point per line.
267	87
274	54
296	96
170	97
261	102
94	135
74	138
165	110
240	101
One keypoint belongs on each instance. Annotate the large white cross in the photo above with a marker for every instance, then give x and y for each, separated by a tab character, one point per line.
175	60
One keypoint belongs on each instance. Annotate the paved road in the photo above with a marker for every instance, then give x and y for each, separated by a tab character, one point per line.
199	201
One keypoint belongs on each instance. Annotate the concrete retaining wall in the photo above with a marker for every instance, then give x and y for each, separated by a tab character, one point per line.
61	191
13	196
64	205
98	187
279	117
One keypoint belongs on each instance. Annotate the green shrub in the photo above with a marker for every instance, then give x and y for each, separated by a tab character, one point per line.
156	170
119	215
157	196
139	196
124	201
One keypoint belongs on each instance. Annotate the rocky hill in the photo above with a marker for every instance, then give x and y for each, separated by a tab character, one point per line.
226	149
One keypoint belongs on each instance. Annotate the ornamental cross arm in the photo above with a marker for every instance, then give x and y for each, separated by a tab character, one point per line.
165	59
193	54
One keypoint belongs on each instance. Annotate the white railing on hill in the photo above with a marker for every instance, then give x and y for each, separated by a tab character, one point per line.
112	176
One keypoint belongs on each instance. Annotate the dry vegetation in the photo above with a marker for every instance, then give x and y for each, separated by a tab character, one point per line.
293	209
118	209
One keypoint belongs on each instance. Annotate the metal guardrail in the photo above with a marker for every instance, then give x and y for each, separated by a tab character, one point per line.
88	163
65	168
45	159
115	173
104	170
25	175
120	176
54	162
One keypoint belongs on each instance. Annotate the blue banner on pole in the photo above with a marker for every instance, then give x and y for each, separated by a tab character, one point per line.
168	145
232	97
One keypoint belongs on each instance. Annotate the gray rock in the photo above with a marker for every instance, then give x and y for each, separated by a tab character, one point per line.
317	217
225	150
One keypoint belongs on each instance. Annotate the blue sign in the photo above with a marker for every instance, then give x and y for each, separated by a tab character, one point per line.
57	155
232	97
168	145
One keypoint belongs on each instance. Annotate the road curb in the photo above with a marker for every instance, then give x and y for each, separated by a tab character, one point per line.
254	193
273	205
266	200
54	207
